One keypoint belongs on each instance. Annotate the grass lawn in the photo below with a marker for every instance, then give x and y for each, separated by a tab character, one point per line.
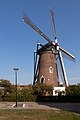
25	114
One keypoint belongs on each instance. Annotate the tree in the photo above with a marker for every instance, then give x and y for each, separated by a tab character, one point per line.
26	94
42	89
7	86
73	90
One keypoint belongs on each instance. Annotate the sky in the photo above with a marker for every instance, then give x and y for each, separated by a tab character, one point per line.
18	41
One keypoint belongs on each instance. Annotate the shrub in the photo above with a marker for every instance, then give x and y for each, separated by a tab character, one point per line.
73	90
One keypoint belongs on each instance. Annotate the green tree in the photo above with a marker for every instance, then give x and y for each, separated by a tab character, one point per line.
42	89
73	90
7	86
4	83
26	94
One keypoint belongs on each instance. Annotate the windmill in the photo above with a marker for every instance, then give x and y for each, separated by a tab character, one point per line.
45	57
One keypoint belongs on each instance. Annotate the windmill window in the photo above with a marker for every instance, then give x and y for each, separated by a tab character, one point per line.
51	69
42	80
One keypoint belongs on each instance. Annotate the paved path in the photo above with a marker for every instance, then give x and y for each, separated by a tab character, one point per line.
75	107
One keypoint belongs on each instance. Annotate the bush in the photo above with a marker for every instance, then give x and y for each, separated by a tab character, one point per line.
73	90
26	95
42	90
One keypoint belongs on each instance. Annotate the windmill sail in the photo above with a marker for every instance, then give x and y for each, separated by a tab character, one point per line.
31	24
67	55
53	25
58	49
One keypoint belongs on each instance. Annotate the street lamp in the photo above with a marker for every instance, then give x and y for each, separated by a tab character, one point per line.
16	69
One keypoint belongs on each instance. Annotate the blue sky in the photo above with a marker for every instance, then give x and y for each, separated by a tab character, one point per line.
18	40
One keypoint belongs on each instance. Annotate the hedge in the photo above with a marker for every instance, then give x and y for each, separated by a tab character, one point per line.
58	99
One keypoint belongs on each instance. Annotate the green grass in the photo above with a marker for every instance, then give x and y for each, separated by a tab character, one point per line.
24	114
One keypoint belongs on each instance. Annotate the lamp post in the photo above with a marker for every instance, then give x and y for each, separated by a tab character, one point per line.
16	69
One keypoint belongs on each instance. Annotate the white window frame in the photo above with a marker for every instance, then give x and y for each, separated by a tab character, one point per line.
43	80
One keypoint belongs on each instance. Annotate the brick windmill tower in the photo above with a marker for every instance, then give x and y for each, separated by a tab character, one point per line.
45	66
45	57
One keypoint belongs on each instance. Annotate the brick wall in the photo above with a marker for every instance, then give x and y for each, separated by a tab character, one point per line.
48	68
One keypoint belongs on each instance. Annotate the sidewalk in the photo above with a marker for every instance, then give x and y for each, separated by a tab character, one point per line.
75	107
